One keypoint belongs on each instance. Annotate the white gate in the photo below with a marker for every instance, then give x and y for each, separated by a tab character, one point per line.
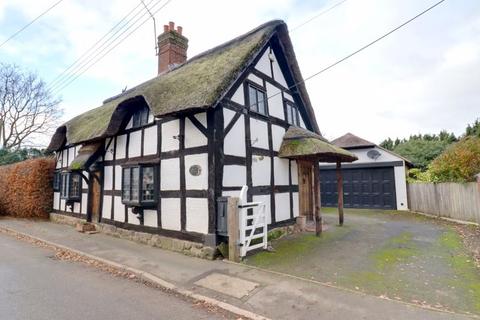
253	224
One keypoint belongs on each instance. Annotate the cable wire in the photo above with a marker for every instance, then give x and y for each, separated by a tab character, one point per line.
321	13
30	23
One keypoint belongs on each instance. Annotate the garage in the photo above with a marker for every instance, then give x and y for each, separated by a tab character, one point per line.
377	180
363	188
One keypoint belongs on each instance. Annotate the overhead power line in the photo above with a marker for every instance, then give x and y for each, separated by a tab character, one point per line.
321	13
104	42
100	55
360	49
30	23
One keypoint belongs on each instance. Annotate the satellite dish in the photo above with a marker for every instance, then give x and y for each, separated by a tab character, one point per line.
373	154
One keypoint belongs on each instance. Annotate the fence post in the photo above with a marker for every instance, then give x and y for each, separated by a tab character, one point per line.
233	229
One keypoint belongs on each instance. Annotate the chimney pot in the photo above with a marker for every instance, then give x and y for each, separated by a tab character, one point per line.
172	47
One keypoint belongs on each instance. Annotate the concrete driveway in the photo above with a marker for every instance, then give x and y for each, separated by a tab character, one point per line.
393	254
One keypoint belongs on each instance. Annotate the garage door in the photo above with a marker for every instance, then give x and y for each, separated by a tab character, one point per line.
372	188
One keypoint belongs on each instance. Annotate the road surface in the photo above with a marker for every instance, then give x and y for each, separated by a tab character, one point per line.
35	285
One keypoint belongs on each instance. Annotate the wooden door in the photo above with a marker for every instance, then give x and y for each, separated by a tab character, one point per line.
305	189
95	196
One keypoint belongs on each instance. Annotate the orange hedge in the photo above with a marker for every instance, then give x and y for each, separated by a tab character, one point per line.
26	188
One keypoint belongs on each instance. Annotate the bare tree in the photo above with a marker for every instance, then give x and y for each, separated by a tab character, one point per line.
27	108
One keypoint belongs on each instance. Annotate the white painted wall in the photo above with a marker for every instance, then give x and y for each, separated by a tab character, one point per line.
260	170
76	207
294	171
150	218
385	156
107	207
118	178
196	182
121	146
281	171
56	200
255	79
239	95
150	141
197	215
282	206
84	203
193	136
135	144
170	174
119	209
234	176
277	137
132	217
275	102
263	65
296	205
401	188
62	204
108	177
64	157
258	133
71	155
170	132
171	213
234	142
109	149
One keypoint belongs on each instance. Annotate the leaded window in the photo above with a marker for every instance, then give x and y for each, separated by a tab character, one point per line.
139	185
140	117
71	186
57	181
257	100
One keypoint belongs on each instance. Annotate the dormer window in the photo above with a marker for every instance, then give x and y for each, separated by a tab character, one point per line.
140	117
292	113
257	100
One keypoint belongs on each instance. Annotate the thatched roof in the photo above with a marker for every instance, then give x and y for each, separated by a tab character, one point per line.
199	83
350	140
299	143
87	154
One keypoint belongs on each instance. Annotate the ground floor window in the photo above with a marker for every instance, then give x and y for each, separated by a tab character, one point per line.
71	186
139	185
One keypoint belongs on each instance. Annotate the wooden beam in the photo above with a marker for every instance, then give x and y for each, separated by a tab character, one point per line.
316	188
340	192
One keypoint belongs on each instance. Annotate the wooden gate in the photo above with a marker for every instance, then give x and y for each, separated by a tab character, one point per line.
305	188
253	224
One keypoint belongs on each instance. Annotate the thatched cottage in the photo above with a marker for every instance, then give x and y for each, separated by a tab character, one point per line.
159	157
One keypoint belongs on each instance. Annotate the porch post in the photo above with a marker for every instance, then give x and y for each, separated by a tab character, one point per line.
316	188
340	192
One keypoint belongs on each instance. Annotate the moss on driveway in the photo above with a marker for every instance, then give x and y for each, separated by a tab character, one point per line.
386	253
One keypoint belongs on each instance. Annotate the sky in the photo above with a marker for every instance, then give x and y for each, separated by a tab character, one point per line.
421	79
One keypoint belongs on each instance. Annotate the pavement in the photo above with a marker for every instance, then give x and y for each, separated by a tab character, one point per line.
37	286
253	292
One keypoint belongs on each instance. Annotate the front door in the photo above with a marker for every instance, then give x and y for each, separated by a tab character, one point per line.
94	196
305	188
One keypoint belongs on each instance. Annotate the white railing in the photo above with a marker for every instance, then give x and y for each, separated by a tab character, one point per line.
253	224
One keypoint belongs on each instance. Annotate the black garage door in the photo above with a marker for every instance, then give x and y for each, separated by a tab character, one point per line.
363	188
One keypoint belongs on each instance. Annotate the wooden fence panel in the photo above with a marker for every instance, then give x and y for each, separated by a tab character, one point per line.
459	201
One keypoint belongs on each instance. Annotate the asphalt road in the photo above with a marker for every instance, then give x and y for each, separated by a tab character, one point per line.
34	285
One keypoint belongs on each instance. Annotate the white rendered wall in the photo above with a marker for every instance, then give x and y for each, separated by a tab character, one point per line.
385	156
282	206
107	177
258	133
197	215
277	72
76	207
171	214
255	79
107	207
193	136
401	187
56	200
150	141
118	178
84	203
275	102
119	210
170	174
121	146
109	149
239	95
294	170
277	137
71	155
296	205
135	144
234	176
170	132
281	171
260	170
150	218
234	142
199	182
132	217
263	65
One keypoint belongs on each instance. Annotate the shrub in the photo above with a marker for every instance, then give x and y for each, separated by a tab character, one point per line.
458	163
26	188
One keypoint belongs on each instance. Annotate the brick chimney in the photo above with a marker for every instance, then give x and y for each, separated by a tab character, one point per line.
172	48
